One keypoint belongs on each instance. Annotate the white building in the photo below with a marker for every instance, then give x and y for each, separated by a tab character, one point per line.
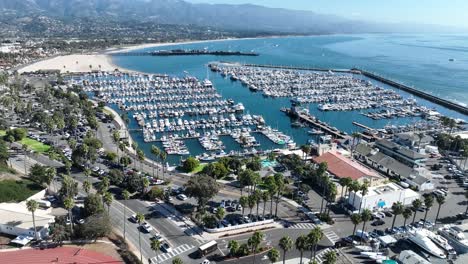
16	220
383	196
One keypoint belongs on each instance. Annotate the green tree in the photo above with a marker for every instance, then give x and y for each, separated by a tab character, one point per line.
301	245
93	205
254	241
103	185
272	189
32	206
397	209
202	188
330	257
285	244
407	214
273	255
140	219
220	213
233	247
313	238
344	182
69	203
366	216
177	260
356	220
305	151
279	179
251	204
155	245
190	164
415	206
440	201
428	202
125	196
69	187
244	202
156	153
96	226
108	198
86	186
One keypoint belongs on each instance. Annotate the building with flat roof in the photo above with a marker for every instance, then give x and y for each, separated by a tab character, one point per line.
400	153
382	196
342	167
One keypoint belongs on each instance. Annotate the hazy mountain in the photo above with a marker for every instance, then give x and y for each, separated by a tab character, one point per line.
236	17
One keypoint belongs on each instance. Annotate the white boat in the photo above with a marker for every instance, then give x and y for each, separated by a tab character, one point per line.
441	242
455	237
363	248
420	238
370	254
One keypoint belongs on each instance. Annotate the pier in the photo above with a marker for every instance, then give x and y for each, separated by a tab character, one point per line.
297	68
429	97
316	123
186	53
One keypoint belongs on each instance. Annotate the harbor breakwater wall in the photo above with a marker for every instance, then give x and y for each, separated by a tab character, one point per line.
419	93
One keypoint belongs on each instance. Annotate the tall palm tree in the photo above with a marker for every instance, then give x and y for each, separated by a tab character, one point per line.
415	206
356	220
366	216
254	241
354	187
251	203
397	209
364	190
244	202
285	244
428	202
140	219
313	238
126	196
265	198
107	197
163	157
273	255
69	203
306	151
279	180
155	151
440	200
155	245
32	206
407	214
330	257
86	186
301	245
344	182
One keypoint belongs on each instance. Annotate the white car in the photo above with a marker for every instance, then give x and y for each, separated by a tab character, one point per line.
145	226
166	248
133	218
182	197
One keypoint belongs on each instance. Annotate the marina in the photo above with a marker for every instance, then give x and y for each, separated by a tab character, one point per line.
182	52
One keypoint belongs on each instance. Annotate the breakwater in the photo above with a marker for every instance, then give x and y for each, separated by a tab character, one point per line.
429	97
165	53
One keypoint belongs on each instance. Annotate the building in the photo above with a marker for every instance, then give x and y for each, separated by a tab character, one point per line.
398	152
342	167
413	140
417	178
16	220
383	196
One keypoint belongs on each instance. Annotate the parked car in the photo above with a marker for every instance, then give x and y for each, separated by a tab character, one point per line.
182	197
133	218
165	247
146	227
157	237
378	222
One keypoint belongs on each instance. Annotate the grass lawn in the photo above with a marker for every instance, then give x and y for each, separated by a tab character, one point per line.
199	168
35	145
17	190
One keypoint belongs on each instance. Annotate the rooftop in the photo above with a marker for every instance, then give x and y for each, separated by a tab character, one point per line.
17	215
343	167
383	143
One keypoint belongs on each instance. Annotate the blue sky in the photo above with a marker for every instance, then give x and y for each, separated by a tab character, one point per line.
441	12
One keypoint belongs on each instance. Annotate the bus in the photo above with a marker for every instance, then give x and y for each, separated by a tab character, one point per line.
207	248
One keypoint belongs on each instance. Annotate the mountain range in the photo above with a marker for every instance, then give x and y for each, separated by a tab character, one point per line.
233	17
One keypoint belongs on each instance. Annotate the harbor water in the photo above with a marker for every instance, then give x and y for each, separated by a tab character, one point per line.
419	61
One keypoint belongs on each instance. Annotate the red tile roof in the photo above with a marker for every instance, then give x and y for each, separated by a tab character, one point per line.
55	256
343	167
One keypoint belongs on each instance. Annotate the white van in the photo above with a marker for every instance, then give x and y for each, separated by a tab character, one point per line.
43	203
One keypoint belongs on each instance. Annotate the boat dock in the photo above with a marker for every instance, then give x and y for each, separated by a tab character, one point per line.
429	97
297	68
362	126
316	123
186	53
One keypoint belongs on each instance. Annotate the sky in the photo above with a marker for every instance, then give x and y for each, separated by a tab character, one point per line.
440	12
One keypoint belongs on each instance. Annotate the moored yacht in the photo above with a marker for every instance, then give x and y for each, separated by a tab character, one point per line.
420	238
455	237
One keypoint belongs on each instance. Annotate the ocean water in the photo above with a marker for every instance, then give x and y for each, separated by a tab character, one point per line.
421	61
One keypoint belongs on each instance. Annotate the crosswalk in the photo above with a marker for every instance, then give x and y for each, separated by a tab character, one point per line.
176	251
302	226
320	258
332	236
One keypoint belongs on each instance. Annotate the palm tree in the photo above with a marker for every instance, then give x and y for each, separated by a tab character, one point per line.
233	246
273	255
440	200
32	206
265	198
354	187
366	215
355	135
428	202
155	151
313	238
126	196
306	150
407	214
86	186
285	244
155	245
254	241
279	179
140	219
364	190
415	206
397	209
146	184
69	203
244	202
177	260
330	257
466	196
251	204
356	220
163	157
301	245
344	182
107	197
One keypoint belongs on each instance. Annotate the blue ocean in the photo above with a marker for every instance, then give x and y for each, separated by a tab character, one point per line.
436	64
